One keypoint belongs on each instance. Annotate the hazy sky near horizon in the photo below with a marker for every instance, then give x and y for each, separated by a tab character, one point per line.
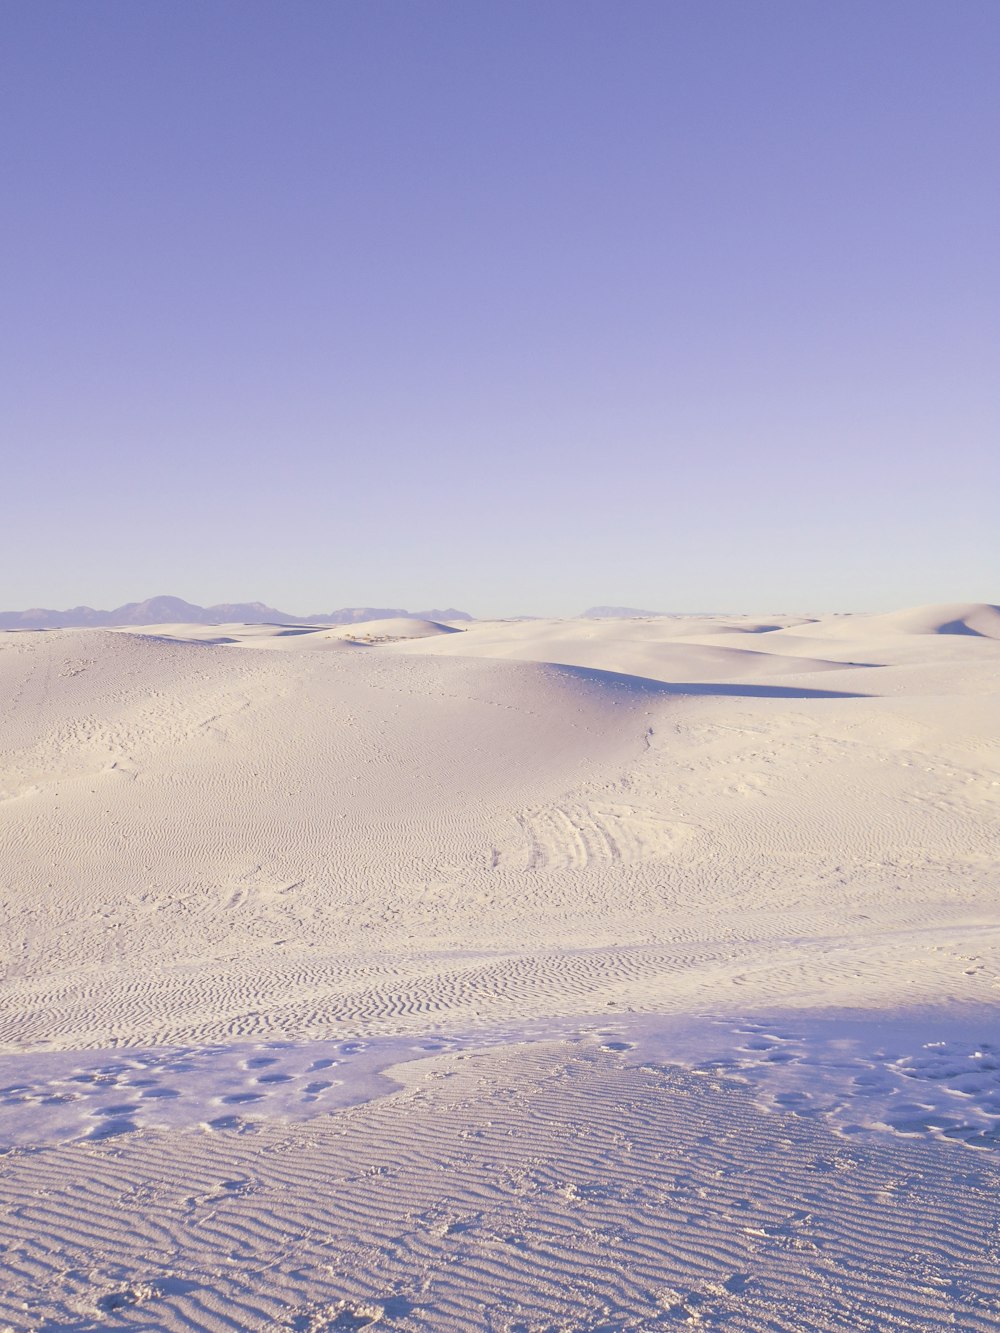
517	307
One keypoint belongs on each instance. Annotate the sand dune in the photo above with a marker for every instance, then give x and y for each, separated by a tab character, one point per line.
300	636
584	975
665	648
399	627
248	636
975	619
978	619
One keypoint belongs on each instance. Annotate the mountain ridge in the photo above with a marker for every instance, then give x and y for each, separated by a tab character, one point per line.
165	609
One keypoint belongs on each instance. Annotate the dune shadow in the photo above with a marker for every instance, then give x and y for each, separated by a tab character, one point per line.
286	631
646	685
960	627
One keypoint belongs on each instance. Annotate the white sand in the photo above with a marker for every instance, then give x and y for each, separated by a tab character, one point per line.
578	975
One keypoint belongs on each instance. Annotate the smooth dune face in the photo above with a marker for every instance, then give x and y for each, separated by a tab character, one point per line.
546	974
975	619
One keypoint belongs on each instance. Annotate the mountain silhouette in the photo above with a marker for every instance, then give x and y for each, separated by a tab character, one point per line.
165	610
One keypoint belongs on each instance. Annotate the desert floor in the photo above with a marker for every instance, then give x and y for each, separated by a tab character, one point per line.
538	975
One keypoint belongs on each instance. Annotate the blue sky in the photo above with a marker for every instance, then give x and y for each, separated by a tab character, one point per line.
517	307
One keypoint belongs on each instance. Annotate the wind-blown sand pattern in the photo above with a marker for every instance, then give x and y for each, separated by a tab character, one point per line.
532	975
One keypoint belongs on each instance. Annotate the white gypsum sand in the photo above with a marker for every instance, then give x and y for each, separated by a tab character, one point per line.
530	975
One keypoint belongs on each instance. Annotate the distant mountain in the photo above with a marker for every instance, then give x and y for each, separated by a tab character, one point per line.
449	613
352	615
617	613
174	610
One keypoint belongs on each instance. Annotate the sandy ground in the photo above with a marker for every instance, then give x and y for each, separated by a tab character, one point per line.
523	976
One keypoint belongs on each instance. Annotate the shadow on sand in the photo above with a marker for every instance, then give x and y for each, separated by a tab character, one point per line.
644	685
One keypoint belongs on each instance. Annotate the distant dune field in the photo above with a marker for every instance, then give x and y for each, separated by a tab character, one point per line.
599	974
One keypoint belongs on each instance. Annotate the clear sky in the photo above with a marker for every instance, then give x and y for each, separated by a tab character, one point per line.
517	306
